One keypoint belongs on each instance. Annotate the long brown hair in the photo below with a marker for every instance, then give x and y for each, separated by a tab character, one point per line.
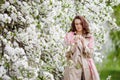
84	24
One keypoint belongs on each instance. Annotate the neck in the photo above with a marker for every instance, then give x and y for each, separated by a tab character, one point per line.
79	33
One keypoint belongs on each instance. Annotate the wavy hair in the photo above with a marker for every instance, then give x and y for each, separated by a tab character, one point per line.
84	24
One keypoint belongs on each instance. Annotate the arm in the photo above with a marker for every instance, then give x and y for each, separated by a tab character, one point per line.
91	44
69	38
88	48
69	43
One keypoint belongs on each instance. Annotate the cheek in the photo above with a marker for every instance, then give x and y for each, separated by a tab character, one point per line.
80	26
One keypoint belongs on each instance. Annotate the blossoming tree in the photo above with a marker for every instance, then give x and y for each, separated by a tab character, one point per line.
32	35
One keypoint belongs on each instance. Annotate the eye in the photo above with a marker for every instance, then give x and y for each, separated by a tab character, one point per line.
78	24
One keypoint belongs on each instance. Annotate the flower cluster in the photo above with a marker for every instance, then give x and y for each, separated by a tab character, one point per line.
32	35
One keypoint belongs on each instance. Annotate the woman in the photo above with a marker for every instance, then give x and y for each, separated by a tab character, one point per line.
79	57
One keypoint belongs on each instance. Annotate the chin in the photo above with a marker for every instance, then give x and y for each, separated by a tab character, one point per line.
79	30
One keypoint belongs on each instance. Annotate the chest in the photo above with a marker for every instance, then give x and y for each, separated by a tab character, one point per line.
87	40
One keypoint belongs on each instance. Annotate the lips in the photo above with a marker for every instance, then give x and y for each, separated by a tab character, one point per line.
79	28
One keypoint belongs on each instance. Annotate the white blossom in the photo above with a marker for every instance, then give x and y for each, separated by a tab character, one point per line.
6	77
2	71
12	1
44	25
48	75
9	50
4	6
1	17
14	16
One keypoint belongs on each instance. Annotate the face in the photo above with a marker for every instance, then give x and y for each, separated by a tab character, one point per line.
78	25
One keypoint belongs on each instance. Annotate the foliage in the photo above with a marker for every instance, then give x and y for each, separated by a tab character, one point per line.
111	64
116	14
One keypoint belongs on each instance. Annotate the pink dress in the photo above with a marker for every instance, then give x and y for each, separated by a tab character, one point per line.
79	63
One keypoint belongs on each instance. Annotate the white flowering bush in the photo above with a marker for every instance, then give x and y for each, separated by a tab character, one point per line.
32	35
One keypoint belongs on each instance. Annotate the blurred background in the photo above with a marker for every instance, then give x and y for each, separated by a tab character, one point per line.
111	64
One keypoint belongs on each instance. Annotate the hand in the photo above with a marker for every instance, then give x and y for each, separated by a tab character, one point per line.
76	38
82	39
73	47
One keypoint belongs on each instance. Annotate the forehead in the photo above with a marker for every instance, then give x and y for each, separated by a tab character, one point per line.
77	21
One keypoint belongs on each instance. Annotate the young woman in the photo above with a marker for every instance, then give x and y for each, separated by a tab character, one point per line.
80	63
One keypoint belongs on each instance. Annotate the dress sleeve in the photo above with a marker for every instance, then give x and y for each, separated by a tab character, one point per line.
68	39
91	42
